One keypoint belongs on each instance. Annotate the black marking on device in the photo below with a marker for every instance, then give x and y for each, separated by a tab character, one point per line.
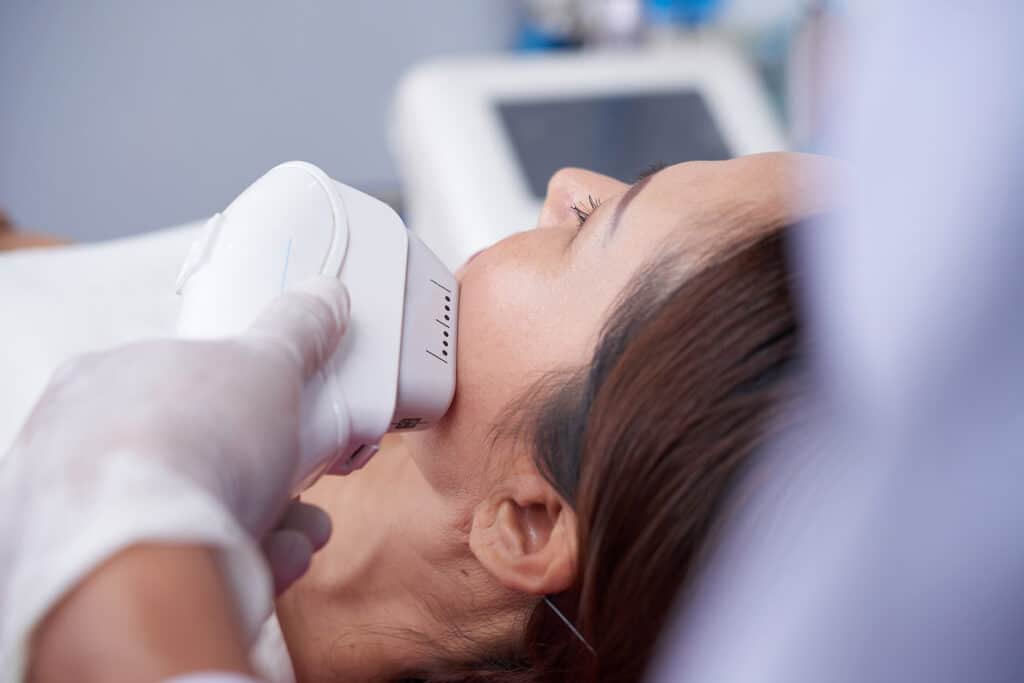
437	356
355	453
442	323
407	423
441	286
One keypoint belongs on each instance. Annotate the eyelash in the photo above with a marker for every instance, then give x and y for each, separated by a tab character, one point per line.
583	212
650	170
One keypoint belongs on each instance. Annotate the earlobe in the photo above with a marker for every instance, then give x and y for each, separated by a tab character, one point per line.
525	535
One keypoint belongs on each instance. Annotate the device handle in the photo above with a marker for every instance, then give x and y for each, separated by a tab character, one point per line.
324	429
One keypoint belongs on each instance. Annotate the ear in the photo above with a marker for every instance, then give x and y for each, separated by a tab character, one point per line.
525	535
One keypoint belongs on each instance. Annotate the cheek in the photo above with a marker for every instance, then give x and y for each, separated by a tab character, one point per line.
520	316
524	311
504	345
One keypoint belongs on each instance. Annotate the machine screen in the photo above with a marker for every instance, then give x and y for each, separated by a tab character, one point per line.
620	136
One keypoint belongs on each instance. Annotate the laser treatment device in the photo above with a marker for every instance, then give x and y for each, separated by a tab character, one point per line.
394	369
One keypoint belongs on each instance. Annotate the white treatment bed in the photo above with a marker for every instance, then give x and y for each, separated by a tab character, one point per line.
59	302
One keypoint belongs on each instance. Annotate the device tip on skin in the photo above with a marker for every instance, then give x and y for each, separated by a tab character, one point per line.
394	368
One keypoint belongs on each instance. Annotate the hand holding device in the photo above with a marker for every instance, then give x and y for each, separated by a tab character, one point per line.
167	442
395	368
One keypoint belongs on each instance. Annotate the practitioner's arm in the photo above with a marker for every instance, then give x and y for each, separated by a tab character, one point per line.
150	613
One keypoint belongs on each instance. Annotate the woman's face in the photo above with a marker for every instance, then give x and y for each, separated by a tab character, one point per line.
447	527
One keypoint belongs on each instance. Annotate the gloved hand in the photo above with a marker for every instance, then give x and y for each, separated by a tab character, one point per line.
167	441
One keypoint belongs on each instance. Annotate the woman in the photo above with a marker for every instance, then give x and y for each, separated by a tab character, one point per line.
616	367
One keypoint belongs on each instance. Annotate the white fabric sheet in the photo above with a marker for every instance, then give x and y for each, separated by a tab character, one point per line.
56	303
60	302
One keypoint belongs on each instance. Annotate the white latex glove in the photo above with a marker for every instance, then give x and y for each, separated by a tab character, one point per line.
167	441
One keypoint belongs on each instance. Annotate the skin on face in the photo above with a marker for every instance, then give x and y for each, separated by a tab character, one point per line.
445	528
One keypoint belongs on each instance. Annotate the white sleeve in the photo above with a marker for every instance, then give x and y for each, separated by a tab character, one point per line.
126	502
212	677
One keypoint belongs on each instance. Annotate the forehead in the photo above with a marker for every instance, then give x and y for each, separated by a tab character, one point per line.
706	205
694	188
658	213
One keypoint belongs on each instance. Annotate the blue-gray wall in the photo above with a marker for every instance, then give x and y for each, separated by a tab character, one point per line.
123	116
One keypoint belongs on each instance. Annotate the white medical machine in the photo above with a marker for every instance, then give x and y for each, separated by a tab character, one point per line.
395	367
476	140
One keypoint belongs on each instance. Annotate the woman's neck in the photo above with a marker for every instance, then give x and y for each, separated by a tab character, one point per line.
391	592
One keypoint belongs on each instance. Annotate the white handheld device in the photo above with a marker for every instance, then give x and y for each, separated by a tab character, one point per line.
395	367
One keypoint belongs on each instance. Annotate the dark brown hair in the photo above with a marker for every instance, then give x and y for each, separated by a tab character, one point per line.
646	443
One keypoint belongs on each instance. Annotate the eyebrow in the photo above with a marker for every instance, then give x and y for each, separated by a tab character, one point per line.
629	196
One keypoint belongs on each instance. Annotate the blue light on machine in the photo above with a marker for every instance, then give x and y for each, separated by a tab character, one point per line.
683	12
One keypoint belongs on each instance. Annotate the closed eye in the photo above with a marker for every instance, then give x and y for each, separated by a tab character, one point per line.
650	170
583	211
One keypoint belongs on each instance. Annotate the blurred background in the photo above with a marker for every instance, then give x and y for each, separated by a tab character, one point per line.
119	117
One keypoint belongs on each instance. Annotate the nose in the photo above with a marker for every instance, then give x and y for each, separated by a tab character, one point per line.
555	211
462	269
472	256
